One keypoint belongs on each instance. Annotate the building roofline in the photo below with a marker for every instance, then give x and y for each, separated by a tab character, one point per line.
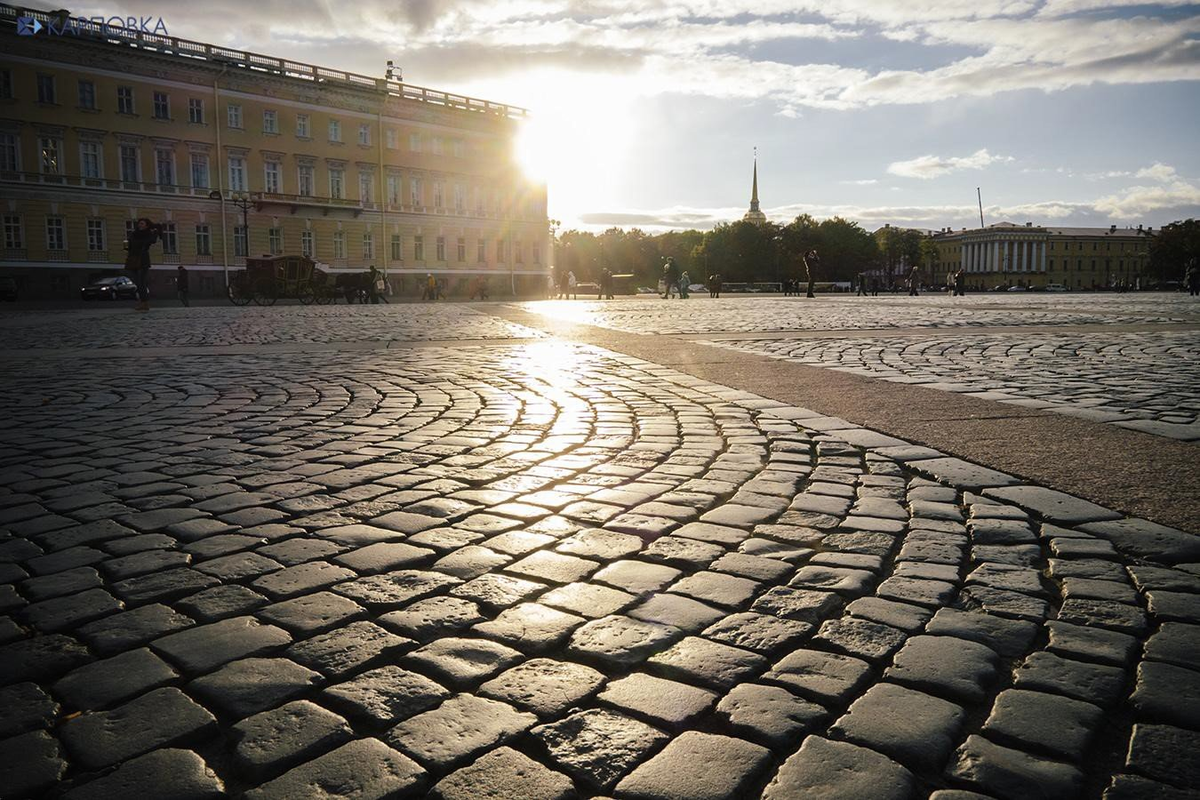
202	53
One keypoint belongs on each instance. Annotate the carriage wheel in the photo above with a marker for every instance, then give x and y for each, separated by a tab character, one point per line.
266	292
238	294
306	294
325	297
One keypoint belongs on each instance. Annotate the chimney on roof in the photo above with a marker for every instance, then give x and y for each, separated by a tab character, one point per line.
1112	228
1139	226
1028	224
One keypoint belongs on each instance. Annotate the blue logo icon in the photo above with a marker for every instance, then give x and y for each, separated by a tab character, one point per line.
28	26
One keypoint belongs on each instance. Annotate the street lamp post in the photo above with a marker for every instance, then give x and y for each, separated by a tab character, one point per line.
242	200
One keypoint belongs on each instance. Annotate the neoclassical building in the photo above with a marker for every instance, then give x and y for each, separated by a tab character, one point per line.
1006	254
98	129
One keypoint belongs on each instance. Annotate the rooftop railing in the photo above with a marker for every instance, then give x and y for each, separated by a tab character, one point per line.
257	62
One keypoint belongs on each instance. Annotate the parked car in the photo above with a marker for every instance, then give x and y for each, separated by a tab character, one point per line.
117	288
1016	288
8	289
1055	287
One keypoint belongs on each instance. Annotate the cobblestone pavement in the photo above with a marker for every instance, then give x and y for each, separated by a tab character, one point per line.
742	314
173	326
548	570
1145	381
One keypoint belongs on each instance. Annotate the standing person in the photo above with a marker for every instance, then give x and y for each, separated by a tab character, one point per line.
960	280
181	285
711	283
1192	278
913	280
812	265
572	283
862	285
137	260
717	281
684	280
874	286
600	284
608	285
671	270
430	288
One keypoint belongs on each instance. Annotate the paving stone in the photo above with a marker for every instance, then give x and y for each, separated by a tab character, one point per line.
160	718
366	769
588	599
458	729
1167	693
1144	539
1012	774
394	589
1007	604
1165	753
63	613
1174	643
762	633
598	746
919	592
718	589
1058	726
191	779
946	666
114	680
383	557
1176	606
553	567
338	653
239	566
637	577
1052	505
913	728
504	773
753	567
251	685
42	657
30	764
301	579
839	771
1008	637
1094	644
202	649
828	678
1104	614
707	663
769	715
298	551
544	686
436	616
661	702
904	616
870	641
601	545
272	741
311	614
221	602
679	612
698	766
26	707
61	583
1095	683
463	662
681	552
498	591
804	605
471	562
1135	787
162	586
766	548
385	696
620	641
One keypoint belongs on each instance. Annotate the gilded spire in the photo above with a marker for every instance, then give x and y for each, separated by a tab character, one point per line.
754	214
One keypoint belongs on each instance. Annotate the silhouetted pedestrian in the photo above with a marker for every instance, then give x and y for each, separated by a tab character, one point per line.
181	285
137	260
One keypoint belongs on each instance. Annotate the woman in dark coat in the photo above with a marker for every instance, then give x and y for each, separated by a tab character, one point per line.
137	260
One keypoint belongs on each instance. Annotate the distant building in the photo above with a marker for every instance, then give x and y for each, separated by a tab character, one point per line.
97	130
1007	254
754	214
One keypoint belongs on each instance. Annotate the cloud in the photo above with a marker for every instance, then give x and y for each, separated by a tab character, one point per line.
863	182
927	167
1157	172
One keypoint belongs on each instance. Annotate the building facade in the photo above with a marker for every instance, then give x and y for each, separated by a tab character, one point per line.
1032	256
237	153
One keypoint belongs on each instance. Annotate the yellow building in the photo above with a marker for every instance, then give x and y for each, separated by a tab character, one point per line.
98	129
1075	258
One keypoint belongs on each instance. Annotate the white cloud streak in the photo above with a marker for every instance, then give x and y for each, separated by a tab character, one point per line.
927	167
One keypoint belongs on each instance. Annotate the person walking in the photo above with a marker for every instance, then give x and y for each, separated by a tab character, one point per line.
181	285
960	280
684	280
608	285
1192	278
376	286
913	280
572	283
812	266
670	276
431	288
137	260
717	282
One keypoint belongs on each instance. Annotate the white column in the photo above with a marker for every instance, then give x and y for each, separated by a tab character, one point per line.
1042	261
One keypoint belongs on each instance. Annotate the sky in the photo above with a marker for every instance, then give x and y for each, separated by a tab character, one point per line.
646	113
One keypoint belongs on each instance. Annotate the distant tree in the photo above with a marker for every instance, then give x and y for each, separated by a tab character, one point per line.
846	249
1172	247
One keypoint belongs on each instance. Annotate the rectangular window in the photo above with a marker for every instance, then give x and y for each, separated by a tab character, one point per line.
368	245
458	197
170	238
518	252
56	233
414	192
51	151
537	254
499	251
414	142
273	177
462	249
364	134
393	189
366	187
10	153
335	130
130	163
200	170
45	88
391	139
337	184
124	99
162	106
480	206
302	126
6	84
237	174
437	194
164	167
441	248
270	121
339	244
239	240
14	236
460	149
306	181
481	251
87	94
307	245
275	241
95	235
397	248
419	248
91	160
234	112
203	241
195	111
437	145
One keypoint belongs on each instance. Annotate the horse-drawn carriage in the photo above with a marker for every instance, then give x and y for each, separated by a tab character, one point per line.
269	278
